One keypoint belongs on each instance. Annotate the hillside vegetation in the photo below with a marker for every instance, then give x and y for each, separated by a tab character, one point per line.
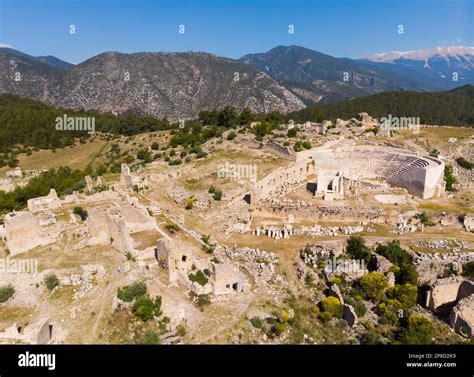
454	108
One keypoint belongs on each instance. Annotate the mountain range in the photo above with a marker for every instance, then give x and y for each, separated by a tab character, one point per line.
179	85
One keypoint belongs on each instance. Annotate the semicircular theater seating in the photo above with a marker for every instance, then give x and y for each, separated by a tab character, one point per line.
421	176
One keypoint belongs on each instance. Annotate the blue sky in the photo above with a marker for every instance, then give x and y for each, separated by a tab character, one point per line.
350	28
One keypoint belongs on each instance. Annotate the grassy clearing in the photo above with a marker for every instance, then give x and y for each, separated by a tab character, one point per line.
10	315
76	157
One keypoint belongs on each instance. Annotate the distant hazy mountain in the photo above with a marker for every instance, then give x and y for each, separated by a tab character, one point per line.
50	60
447	67
325	79
175	85
441	52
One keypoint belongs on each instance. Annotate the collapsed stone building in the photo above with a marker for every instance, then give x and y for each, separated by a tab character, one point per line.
127	228
38	332
180	264
129	180
92	185
453	298
43	203
23	232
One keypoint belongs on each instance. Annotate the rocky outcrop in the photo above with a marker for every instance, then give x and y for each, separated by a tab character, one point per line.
349	315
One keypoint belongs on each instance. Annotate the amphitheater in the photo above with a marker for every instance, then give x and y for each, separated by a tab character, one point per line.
422	176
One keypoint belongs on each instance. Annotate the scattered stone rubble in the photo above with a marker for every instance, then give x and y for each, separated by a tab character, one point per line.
85	282
403	227
258	263
444	244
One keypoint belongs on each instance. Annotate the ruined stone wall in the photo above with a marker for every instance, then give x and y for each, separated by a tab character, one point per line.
462	316
23	233
226	280
165	255
448	291
290	175
115	226
281	150
98	225
51	201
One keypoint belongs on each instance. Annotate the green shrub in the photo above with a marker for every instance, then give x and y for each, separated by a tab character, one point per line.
292	132
357	304
130	292
306	144
462	162
298	147
51	281
449	177
82	213
199	277
175	162
130	256
217	195
6	292
190	203
406	294
172	228
407	272
200	300
201	154
332	306
419	330
144	155
149	337
394	253
468	269
425	220
356	248
279	328
181	328
257	322
145	308
434	153
388	311
373	285
371	336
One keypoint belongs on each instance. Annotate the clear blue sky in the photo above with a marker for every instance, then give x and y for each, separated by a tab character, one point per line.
232	28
